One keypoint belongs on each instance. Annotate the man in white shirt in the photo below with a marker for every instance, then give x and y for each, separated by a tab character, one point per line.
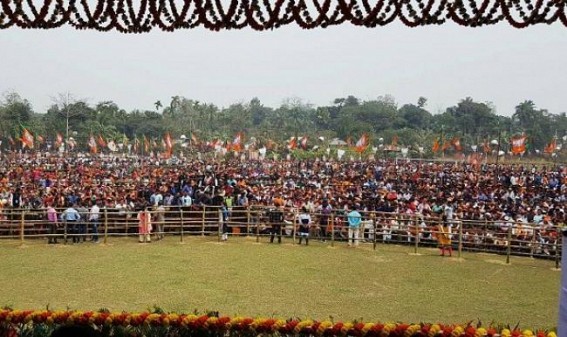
186	200
94	216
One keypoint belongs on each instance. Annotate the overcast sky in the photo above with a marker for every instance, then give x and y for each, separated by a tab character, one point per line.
445	63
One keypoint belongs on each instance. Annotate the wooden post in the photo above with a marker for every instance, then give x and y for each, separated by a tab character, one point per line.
65	223
532	242
332	229
22	222
203	221
374	222
220	224
509	245
248	220
181	215
105	225
295	218
258	230
559	237
460	247
416	226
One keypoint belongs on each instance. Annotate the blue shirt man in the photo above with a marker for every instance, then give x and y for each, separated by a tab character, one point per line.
354	219
72	215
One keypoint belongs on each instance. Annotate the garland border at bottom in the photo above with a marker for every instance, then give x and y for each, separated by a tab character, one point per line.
21	322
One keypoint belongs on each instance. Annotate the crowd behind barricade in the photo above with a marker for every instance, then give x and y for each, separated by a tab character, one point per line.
528	200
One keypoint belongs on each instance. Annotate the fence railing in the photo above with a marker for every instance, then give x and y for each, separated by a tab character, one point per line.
501	237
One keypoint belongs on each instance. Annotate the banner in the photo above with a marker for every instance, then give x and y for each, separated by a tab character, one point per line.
518	144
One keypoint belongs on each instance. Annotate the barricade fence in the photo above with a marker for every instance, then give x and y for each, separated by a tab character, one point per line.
501	237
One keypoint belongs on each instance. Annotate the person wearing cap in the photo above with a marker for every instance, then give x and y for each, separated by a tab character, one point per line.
354	220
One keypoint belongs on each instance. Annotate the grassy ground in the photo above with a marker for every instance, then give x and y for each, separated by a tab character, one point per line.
247	278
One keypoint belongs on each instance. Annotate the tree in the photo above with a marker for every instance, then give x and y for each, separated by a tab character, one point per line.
158	105
415	116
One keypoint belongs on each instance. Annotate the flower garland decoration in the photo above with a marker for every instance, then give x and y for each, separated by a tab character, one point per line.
21	322
216	15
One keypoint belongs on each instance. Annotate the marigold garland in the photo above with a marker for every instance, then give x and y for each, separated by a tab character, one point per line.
19	323
140	16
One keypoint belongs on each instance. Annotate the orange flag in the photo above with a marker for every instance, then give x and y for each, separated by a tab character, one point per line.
550	148
518	144
436	146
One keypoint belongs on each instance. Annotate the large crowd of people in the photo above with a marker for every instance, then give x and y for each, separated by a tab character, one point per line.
509	192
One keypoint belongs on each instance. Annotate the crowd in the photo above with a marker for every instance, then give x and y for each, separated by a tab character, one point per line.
507	193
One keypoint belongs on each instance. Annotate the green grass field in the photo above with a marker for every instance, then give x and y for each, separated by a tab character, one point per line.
243	277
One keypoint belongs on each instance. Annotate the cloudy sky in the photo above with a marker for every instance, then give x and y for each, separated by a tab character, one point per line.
445	64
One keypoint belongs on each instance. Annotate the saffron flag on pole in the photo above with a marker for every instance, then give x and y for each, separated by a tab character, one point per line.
436	146
446	145
237	143
58	140
168	142
136	144
362	143
168	145
304	142
112	146
27	139
456	143
146	144
518	144
92	144
486	147
292	143
550	148
101	142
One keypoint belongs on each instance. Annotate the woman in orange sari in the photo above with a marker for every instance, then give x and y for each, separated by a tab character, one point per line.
144	225
444	236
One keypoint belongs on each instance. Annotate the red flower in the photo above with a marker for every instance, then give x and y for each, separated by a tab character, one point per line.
470	331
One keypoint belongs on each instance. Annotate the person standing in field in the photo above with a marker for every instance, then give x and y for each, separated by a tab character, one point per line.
71	217
444	236
53	224
304	220
354	220
160	220
324	218
276	219
94	216
144	225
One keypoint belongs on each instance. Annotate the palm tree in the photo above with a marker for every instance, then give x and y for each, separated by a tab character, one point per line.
158	105
174	105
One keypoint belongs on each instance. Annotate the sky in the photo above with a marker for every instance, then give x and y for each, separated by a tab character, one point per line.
445	64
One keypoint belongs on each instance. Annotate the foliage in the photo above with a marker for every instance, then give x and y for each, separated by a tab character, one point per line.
348	117
156	323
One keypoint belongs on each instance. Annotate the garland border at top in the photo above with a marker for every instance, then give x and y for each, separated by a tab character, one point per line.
140	16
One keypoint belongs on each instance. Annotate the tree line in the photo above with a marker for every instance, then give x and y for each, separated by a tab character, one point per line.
383	119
